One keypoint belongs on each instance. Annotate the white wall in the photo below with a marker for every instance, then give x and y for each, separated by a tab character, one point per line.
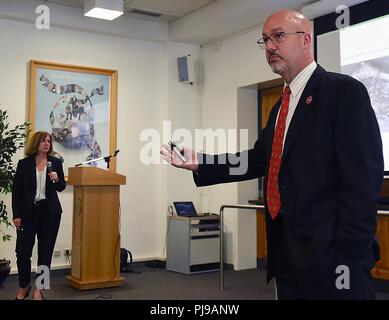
184	115
228	65
328	51
246	253
148	93
180	112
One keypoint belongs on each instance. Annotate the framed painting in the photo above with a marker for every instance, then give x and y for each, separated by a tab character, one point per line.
78	106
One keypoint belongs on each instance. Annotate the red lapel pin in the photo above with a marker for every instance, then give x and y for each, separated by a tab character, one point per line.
309	100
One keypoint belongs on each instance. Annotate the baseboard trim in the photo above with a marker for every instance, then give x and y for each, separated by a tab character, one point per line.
147	263
262	263
158	263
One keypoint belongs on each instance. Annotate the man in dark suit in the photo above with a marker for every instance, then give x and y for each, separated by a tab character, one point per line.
321	156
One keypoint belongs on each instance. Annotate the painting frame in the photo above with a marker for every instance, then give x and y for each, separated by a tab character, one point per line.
72	96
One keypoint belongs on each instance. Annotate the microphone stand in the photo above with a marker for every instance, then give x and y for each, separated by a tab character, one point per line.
107	159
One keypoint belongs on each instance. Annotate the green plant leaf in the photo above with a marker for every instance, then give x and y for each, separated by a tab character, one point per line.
10	142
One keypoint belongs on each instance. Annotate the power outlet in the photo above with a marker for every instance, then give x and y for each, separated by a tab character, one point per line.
57	253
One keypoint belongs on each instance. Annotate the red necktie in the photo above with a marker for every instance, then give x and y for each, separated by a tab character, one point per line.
273	194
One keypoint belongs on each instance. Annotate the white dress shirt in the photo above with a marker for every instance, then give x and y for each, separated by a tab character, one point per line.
296	88
40	184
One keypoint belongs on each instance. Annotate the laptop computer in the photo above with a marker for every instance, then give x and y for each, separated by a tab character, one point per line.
185	209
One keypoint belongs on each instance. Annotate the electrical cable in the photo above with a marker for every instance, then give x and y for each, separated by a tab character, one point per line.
104	296
107	296
67	255
170	214
117	245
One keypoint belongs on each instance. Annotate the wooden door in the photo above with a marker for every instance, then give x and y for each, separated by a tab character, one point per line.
381	269
269	98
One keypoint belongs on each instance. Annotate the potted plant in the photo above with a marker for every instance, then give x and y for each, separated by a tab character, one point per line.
11	140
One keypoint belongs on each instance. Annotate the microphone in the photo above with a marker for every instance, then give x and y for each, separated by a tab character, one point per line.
50	168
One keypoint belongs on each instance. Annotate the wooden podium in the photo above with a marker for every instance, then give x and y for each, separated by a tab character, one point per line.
96	238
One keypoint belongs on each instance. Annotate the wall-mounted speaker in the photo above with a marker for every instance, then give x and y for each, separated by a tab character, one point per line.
186	69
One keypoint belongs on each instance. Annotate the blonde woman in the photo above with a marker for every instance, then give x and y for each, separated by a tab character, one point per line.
36	207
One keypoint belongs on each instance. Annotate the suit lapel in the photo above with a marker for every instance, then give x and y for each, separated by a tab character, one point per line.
306	103
32	174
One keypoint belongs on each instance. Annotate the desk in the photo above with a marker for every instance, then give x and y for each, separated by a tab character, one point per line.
193	244
381	269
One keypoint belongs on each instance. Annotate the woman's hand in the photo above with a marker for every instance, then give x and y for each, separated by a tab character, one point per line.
53	176
17	223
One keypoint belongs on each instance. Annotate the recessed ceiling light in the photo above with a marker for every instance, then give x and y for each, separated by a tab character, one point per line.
103	9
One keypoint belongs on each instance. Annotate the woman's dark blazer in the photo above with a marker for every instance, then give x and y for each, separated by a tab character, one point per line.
24	188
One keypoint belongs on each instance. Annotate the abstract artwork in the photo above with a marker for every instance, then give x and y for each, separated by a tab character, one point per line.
77	105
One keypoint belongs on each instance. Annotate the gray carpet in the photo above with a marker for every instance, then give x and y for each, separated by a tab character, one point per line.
159	284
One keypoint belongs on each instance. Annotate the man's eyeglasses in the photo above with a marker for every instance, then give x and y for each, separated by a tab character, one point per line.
276	38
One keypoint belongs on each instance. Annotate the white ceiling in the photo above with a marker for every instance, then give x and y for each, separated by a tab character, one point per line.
165	10
224	18
204	21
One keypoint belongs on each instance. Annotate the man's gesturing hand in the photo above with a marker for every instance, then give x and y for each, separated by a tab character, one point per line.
171	157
